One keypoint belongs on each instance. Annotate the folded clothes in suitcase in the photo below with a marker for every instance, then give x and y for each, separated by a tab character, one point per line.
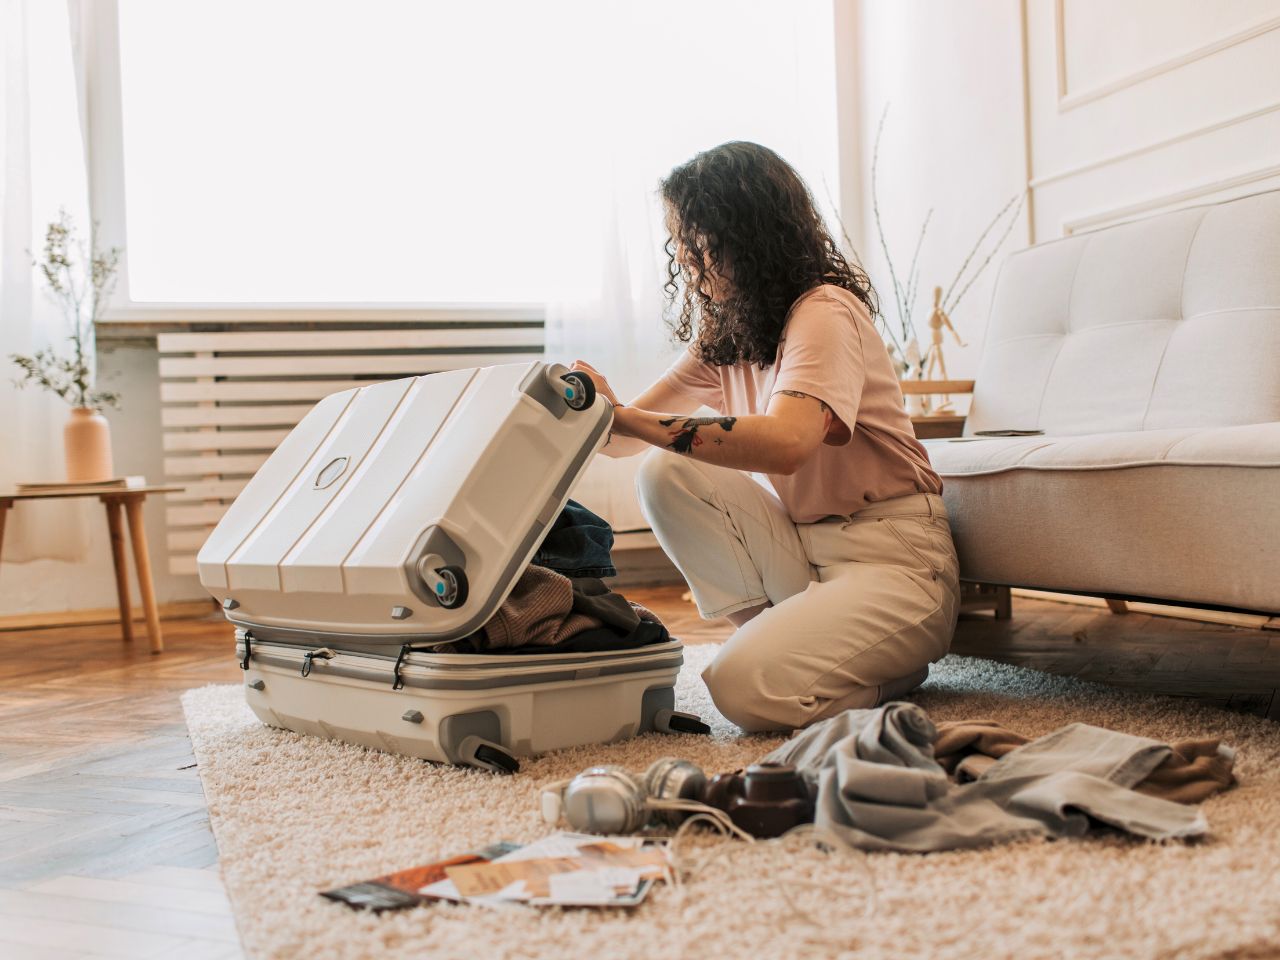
396	518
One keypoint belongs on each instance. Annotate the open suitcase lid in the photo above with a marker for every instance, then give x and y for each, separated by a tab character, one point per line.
404	511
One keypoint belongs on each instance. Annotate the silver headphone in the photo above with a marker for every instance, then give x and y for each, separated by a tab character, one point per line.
612	800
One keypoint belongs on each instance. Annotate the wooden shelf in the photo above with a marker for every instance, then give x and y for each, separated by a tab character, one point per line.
929	387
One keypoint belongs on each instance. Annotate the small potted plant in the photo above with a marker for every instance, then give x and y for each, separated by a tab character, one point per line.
81	285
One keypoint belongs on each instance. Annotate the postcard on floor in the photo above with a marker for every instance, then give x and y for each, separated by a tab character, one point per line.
563	869
396	890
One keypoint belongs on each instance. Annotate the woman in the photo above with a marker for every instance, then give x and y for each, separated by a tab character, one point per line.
842	578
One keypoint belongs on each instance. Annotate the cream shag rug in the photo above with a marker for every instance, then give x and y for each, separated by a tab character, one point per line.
294	815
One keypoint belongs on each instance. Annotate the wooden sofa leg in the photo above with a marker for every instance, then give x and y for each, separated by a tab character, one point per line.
1004	603
1117	606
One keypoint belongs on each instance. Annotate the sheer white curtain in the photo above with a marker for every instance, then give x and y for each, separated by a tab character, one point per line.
667	79
42	170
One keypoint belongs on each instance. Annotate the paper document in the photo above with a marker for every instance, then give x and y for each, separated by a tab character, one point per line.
563	869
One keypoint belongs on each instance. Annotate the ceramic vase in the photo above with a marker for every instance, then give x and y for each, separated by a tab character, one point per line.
918	404
87	441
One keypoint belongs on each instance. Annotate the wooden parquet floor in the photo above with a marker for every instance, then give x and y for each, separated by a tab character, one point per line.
105	848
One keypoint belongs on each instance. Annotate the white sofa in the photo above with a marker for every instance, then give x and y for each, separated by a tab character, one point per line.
1149	354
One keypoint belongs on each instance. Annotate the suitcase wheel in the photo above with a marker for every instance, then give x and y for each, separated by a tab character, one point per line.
579	390
449	586
494	757
486	755
673	721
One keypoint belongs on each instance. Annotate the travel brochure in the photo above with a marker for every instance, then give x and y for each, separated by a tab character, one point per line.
563	869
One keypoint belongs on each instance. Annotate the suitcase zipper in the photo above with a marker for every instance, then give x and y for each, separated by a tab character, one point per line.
324	653
397	681
338	664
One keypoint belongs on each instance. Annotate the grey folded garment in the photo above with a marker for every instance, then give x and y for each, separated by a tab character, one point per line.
876	784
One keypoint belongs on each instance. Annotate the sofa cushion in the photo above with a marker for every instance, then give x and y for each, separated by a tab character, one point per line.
1172	321
1183	515
1252	445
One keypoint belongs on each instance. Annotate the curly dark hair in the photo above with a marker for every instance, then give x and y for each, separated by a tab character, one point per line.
743	213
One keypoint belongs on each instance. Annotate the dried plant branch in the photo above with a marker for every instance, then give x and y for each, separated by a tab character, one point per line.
949	306
903	317
850	250
853	254
913	275
905	294
946	297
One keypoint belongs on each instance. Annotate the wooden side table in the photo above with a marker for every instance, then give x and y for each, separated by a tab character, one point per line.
938	427
124	505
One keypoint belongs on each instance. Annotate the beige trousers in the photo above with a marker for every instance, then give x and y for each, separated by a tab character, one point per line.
859	603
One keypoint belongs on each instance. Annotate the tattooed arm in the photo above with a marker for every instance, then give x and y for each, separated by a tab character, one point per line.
776	441
660	396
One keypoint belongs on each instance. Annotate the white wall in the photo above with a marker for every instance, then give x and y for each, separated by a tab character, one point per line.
1149	105
1109	110
953	141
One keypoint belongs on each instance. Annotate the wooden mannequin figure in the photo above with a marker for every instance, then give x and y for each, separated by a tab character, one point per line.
935	367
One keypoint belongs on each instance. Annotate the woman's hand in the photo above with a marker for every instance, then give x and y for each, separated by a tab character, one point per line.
602	385
658	396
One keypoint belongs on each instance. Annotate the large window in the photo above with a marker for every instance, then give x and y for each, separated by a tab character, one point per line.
436	151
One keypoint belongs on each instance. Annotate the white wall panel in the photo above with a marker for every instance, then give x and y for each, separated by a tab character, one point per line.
1106	46
1108	109
1147	105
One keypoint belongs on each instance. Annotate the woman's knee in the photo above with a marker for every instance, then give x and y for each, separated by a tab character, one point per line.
738	690
662	482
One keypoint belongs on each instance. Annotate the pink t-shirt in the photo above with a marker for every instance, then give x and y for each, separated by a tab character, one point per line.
831	350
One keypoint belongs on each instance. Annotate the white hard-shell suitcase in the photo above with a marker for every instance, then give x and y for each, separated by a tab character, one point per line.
397	517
